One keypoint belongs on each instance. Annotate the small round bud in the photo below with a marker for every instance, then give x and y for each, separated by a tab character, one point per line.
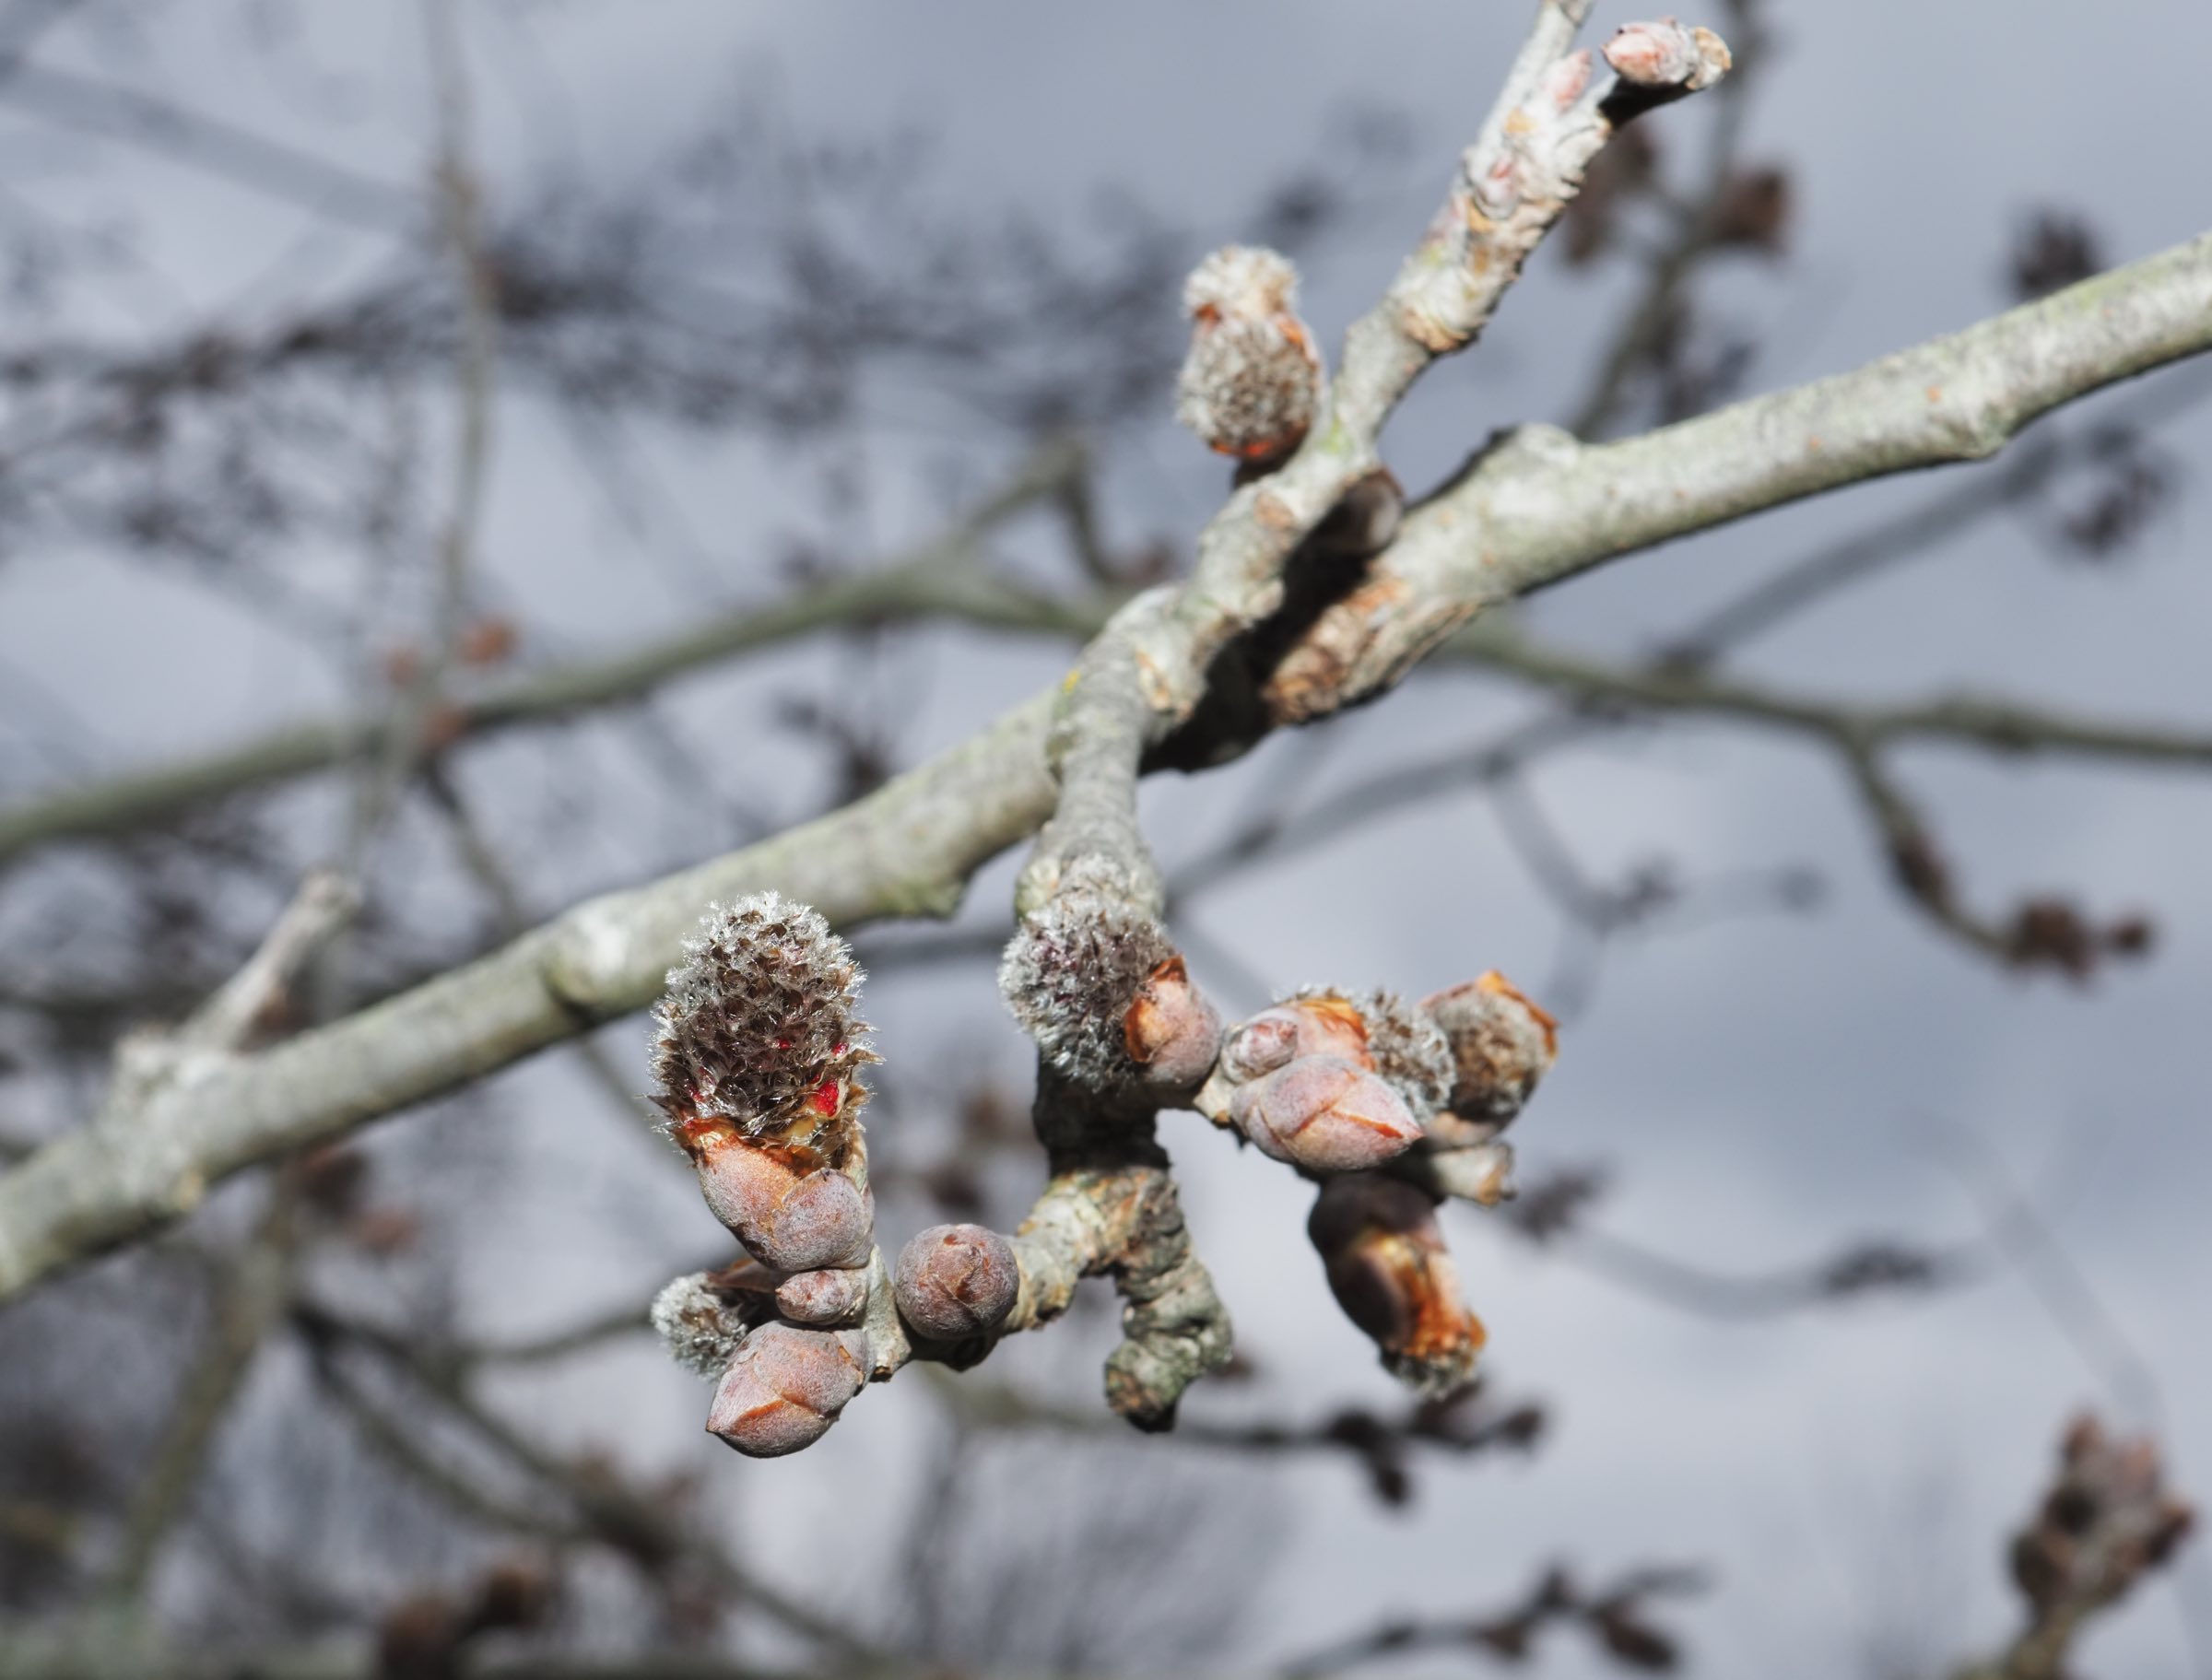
785	1388
1389	1270
957	1281
792	1221
1262	1044
1324	1114
1251	381
1502	1045
1171	1031
826	1297
1329	1024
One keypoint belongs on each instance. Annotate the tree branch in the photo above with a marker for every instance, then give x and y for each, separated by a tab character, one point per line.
1530	514
943	577
1537	507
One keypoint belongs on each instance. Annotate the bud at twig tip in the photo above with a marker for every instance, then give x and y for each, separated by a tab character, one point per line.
957	1281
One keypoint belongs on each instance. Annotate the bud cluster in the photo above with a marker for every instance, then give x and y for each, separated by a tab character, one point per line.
756	1050
2108	1520
1327	1083
1392	1106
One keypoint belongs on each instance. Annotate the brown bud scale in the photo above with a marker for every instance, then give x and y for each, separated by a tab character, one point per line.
957	1281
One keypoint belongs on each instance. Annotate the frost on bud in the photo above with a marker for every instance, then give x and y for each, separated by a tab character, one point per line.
828	1297
1324	1114
957	1281
785	1388
1252	379
1502	1045
703	1324
1389	1270
757	1034
1409	1048
1169	1030
1076	966
792	1219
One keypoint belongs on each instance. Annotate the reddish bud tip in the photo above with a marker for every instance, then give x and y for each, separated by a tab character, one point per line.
1389	1272
785	1388
957	1281
1324	1114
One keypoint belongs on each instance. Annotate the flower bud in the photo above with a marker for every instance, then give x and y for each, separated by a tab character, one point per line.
826	1296
1389	1270
785	1388
1077	966
1502	1045
757	1035
1262	1044
1251	381
792	1221
957	1281
1324	1114
1329	1024
1171	1031
1667	55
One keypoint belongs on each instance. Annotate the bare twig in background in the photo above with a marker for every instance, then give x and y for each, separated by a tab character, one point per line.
2107	1522
1616	1616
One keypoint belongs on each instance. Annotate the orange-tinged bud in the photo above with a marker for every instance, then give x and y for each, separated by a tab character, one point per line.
1324	1114
1389	1270
785	1388
1502	1045
1169	1030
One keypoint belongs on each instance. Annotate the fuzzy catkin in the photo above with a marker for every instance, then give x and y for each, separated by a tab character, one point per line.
1409	1050
701	1328
1073	969
757	1026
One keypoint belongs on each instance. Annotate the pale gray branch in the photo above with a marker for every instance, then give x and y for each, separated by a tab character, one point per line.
1528	515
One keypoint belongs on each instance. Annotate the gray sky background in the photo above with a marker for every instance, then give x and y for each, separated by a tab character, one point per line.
1763	1088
